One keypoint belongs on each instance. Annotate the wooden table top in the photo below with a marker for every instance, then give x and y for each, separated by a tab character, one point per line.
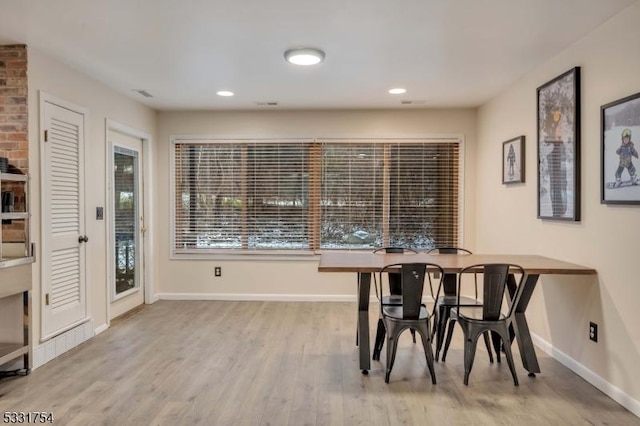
357	261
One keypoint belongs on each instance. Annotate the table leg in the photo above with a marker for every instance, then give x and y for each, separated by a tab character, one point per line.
521	327
364	288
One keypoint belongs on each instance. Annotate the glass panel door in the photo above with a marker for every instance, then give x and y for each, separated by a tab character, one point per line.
126	224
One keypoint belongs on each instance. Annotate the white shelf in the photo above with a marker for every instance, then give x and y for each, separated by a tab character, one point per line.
9	262
9	351
12	177
14	215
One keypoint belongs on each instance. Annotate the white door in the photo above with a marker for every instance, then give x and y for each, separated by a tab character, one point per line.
64	301
126	220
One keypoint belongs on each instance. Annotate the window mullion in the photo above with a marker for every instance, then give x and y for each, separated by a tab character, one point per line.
315	194
244	236
386	194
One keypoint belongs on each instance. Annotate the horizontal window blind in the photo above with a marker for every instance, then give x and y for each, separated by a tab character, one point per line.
241	195
266	195
352	195
389	193
423	187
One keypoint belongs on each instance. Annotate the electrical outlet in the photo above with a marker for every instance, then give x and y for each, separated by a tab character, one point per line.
217	271
593	331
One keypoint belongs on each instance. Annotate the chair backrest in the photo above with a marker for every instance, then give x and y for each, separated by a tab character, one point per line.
395	250
498	280
412	277
394	278
450	280
448	250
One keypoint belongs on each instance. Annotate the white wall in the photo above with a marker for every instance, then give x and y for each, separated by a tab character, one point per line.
607	238
48	75
300	278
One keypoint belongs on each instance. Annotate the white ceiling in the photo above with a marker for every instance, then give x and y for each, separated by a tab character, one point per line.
446	53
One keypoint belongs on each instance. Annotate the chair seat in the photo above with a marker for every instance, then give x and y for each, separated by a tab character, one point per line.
394	299
453	301
395	312
471	313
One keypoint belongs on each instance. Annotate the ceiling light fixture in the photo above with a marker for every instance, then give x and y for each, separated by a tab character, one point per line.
398	91
304	56
224	93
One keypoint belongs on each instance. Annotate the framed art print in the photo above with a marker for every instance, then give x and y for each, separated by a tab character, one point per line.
620	124
559	147
513	160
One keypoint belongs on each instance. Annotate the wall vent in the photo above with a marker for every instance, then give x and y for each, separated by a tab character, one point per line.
143	93
267	103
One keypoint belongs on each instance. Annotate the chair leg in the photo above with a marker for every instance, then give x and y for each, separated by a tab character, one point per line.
428	354
379	342
488	345
509	355
439	329
435	321
413	334
452	323
497	344
470	343
392	346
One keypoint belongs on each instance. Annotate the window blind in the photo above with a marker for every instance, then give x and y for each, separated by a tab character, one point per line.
241	195
389	193
266	195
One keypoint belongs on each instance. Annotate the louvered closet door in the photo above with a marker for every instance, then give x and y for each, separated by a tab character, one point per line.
63	248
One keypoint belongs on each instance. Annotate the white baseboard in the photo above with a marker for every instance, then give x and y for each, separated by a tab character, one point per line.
607	388
268	297
100	329
61	343
259	297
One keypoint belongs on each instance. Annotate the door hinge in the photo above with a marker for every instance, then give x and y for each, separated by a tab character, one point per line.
46	299
46	136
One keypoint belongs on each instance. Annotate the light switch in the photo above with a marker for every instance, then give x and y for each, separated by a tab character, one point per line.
99	213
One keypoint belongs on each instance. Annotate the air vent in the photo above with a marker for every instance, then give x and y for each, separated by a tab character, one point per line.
412	102
143	93
267	103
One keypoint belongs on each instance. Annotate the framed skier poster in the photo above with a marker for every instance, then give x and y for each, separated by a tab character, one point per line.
513	160
559	147
620	122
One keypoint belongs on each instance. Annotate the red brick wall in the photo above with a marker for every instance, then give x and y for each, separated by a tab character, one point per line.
14	140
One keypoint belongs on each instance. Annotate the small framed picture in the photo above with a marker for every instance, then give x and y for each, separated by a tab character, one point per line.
620	122
513	160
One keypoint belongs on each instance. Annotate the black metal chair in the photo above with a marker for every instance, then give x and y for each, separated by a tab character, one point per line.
498	285
449	299
410	314
395	294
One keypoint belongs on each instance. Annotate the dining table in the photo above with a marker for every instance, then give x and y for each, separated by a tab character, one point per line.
365	263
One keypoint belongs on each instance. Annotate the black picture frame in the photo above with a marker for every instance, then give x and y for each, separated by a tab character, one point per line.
559	147
513	164
620	160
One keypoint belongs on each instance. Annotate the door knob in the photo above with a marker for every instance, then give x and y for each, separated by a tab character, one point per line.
83	239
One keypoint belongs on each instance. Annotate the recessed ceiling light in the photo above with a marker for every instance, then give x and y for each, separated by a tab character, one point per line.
304	56
224	93
398	91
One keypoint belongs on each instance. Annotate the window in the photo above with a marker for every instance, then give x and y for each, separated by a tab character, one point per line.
306	195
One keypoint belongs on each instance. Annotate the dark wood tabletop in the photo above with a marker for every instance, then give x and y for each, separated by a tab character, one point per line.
356	261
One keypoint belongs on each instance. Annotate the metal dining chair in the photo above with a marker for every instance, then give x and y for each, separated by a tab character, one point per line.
447	300
393	298
410	314
489	316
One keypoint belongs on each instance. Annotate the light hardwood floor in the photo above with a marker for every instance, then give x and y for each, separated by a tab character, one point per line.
272	363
